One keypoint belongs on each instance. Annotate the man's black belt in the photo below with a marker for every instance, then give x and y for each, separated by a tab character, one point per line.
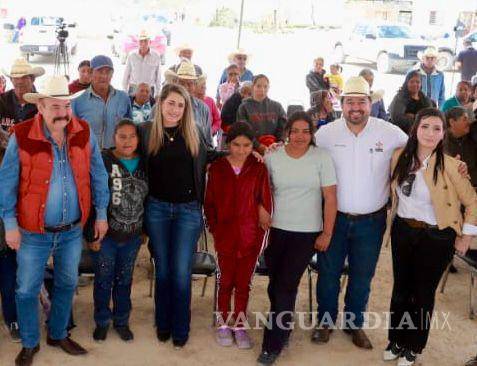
364	216
62	228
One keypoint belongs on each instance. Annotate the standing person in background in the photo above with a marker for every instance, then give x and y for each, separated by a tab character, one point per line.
467	61
143	66
315	80
84	80
432	80
142	103
266	117
101	105
408	101
230	86
303	183
428	227
238	205
238	57
185	52
378	109
114	257
200	91
13	108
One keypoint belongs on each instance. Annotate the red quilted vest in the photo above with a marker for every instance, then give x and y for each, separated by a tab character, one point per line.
36	166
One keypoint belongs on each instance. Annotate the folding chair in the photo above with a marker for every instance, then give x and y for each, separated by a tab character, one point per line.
470	261
313	268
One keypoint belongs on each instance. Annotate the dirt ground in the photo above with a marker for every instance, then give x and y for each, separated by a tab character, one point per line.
448	347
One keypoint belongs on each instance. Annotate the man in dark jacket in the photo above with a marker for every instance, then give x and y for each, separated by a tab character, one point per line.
13	108
461	139
315	80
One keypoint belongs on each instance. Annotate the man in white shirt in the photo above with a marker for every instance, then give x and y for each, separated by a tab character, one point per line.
361	148
143	66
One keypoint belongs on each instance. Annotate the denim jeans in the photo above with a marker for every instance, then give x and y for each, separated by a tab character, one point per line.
360	241
32	257
173	229
113	271
8	272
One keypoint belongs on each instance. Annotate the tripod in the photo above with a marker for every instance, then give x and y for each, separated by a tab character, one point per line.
62	57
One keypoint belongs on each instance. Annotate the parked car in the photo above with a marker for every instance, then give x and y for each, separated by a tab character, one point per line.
392	47
126	40
40	36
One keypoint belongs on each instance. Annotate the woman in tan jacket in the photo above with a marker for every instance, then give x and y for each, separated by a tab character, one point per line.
427	193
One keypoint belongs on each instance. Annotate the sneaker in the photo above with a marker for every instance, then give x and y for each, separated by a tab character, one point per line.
100	333
392	352
472	362
267	358
14	332
242	339
407	358
223	336
125	333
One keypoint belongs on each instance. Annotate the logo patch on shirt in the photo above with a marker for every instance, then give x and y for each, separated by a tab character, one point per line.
379	147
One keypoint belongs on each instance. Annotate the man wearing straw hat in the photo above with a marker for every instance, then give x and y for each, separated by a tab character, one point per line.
361	148
14	108
185	52
143	66
186	76
432	80
51	172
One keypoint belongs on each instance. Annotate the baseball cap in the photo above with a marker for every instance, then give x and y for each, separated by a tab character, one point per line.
100	61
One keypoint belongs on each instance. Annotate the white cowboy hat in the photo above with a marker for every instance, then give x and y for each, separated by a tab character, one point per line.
430	51
184	46
54	87
185	70
239	51
143	35
21	67
356	86
377	95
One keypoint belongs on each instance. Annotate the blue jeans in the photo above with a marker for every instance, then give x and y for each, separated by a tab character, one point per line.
32	257
360	240
113	270
173	229
8	272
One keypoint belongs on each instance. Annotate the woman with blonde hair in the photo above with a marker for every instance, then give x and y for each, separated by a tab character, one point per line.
176	156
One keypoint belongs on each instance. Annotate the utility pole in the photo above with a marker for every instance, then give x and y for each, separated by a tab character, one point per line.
240	24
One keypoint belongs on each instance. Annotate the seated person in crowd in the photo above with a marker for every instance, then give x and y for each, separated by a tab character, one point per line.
84	80
142	103
462	97
408	101
377	107
321	111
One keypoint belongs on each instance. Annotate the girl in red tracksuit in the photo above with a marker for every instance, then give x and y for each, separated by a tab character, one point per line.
238	205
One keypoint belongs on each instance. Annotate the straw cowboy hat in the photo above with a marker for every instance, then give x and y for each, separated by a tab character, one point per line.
185	70
21	67
356	86
54	87
184	46
428	52
143	35
239	51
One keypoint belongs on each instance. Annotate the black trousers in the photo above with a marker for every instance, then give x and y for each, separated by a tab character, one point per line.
286	257
420	257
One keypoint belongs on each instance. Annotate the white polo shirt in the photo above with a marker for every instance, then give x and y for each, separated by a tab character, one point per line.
362	162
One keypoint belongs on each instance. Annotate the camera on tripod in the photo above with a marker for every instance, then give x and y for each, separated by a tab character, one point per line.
61	32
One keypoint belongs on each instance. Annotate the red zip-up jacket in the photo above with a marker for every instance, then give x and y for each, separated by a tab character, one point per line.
231	206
